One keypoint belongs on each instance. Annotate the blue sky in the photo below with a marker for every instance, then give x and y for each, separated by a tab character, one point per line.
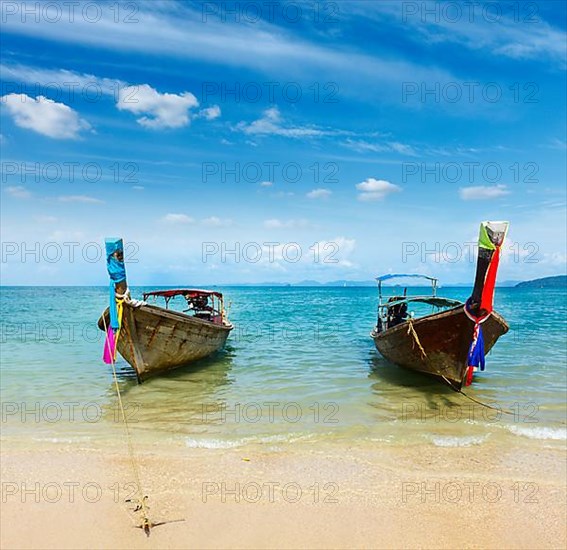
373	135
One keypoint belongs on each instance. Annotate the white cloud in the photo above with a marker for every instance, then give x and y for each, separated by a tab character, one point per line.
373	189
271	123
494	31
44	116
483	192
213	221
386	147
18	192
80	198
559	144
287	224
266	184
319	193
210	113
159	110
61	81
177	219
261	46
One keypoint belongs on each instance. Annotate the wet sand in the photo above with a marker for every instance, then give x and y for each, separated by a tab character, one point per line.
290	496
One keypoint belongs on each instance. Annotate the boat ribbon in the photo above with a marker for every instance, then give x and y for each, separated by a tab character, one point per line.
479	306
117	274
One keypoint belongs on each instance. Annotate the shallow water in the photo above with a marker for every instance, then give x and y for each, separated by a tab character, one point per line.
298	367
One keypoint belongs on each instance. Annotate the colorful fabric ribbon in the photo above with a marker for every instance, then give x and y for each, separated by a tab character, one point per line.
479	306
109	353
117	274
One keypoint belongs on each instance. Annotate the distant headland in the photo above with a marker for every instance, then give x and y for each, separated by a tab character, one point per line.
559	281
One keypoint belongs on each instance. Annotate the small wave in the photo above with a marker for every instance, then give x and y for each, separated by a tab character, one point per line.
230	444
61	439
455	441
211	444
558	434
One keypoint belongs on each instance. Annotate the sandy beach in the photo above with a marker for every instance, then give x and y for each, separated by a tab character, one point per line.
286	497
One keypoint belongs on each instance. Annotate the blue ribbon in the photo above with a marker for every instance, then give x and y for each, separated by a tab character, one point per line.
117	273
476	352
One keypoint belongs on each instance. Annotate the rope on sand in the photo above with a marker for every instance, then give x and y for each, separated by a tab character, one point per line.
146	524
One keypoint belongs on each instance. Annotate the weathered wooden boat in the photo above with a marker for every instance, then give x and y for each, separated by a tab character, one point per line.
448	343
154	339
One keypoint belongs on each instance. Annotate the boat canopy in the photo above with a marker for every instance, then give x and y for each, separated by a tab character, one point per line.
400	275
190	292
431	300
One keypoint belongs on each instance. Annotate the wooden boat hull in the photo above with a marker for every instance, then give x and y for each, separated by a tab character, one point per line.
445	338
154	340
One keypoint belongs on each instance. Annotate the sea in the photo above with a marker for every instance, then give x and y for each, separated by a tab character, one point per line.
298	368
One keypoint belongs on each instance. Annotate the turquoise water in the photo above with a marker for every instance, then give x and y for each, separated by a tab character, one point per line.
299	366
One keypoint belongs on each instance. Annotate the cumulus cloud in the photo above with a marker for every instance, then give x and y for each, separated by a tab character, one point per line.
44	116
158	110
18	192
175	219
210	113
319	193
372	189
483	192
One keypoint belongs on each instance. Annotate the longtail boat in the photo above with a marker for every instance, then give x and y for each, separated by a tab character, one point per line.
449	342
155	339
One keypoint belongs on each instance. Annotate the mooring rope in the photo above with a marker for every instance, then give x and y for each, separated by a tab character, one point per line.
416	338
146	524
411	331
488	406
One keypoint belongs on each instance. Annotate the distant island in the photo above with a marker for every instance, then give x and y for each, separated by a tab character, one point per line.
559	281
